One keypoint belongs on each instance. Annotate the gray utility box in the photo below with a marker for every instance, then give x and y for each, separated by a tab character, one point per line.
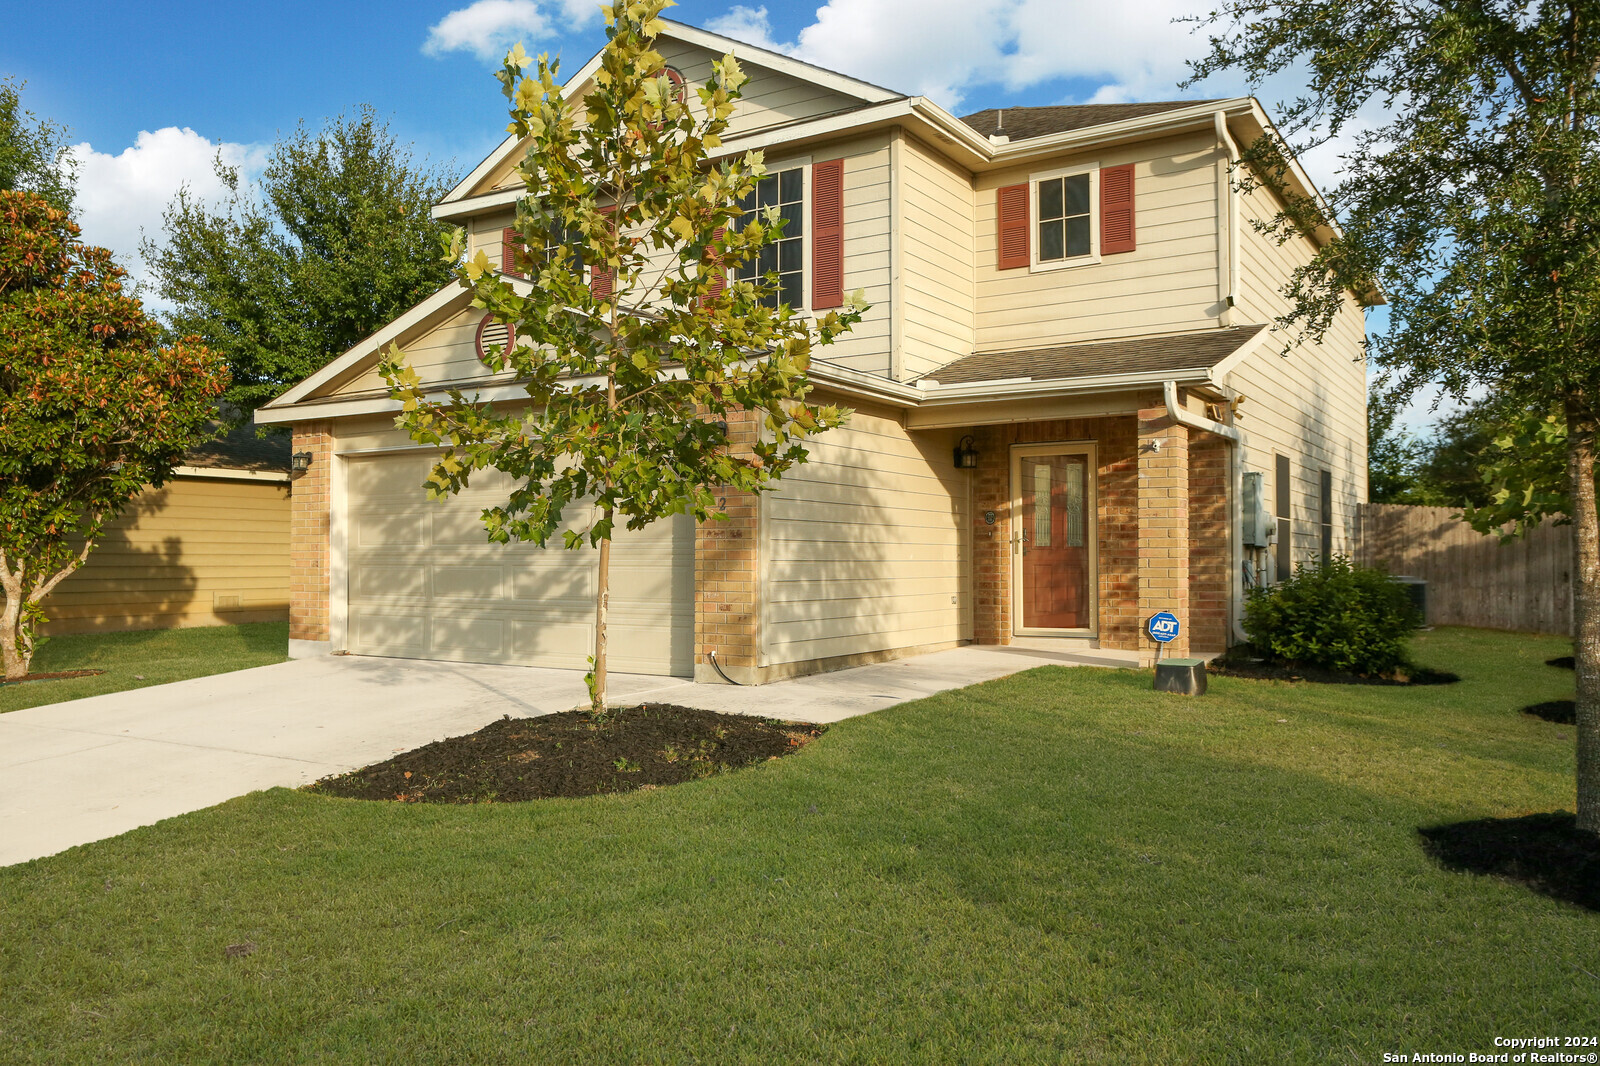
1417	588
1258	528
1187	677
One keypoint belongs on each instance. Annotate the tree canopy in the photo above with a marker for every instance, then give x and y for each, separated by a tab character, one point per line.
334	241
92	408
635	339
33	151
1469	196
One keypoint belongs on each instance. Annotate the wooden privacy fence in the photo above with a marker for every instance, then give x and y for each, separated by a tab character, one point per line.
1473	580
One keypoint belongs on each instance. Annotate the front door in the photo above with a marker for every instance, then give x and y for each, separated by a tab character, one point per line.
1054	537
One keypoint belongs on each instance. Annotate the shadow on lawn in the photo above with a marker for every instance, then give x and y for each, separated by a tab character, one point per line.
1546	852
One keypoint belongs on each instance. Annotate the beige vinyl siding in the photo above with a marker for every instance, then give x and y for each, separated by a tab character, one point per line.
866	250
1309	405
196	552
864	547
938	266
1167	284
424	581
484	234
446	353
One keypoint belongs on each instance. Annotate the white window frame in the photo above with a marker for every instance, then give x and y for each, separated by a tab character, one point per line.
1034	264
807	268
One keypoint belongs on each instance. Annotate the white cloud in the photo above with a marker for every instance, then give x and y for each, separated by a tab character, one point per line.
488	28
121	197
749	25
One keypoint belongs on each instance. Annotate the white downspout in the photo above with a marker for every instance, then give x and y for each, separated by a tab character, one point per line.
1220	120
1235	436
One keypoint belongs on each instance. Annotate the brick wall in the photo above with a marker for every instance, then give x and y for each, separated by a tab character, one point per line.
725	576
1209	558
1163	525
308	534
1118	523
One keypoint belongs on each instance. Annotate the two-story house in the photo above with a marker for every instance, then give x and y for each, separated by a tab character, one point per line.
1070	409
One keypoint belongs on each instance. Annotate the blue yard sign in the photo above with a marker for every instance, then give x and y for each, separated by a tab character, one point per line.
1163	626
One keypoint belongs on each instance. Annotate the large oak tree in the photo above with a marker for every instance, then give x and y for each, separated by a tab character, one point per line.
1473	202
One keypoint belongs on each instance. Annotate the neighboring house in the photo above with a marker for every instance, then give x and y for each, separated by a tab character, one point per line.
1068	333
210	547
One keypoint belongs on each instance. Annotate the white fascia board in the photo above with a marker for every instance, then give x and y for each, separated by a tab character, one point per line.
476	204
230	473
479	172
937	396
360	350
1221	369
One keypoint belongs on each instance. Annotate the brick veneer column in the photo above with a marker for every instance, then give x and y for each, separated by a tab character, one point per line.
725	560
1163	525
1210	566
308	537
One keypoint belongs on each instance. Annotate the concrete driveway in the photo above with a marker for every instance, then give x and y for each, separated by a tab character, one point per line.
84	770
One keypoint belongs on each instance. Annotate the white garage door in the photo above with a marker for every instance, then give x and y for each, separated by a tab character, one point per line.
425	583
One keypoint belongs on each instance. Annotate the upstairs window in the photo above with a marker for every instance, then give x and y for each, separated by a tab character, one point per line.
785	191
1064	217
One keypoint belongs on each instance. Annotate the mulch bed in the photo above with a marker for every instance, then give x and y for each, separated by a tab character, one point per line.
1564	661
60	675
1562	712
1546	852
1237	664
568	754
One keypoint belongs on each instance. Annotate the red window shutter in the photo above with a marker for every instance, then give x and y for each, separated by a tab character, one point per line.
508	251
1116	209
827	234
600	275
1011	212
719	280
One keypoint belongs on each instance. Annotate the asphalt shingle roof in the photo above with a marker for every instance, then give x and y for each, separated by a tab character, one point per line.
1129	355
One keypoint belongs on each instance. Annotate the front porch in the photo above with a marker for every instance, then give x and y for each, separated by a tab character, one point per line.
1158	541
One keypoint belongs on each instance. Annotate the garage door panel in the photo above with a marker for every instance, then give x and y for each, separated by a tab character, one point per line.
367	579
468	582
425	581
381	631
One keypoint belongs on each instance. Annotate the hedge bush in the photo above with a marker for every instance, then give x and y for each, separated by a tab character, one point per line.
1336	616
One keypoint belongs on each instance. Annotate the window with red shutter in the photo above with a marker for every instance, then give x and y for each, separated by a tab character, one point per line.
508	251
1011	211
719	280
784	254
600	274
827	234
1116	209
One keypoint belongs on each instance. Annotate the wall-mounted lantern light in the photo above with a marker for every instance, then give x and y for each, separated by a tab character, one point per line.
966	454
300	462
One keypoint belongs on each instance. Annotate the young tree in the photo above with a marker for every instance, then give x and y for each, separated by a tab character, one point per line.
33	151
630	373
91	409
1472	205
336	241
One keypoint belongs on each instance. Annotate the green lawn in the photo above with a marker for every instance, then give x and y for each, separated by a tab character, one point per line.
1062	866
147	657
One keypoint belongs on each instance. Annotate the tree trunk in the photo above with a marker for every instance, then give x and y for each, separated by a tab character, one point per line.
602	606
15	657
1585	610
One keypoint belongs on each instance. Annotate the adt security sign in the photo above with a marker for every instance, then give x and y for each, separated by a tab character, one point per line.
1163	626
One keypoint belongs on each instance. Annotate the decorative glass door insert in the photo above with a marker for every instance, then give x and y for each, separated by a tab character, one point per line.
1054	541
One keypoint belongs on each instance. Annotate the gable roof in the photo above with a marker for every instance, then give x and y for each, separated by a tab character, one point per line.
1156	354
864	91
1019	123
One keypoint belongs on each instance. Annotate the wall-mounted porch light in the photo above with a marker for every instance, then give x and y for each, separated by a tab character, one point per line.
966	454
300	462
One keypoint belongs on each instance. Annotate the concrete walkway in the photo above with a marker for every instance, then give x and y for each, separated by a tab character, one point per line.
84	770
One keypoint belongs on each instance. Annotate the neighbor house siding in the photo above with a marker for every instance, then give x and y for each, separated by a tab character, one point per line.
864	548
938	269
1167	284
1310	404
195	552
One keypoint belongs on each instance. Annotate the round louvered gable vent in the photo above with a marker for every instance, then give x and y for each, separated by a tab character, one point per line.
491	334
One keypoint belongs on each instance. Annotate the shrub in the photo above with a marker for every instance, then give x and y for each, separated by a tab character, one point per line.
1336	616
